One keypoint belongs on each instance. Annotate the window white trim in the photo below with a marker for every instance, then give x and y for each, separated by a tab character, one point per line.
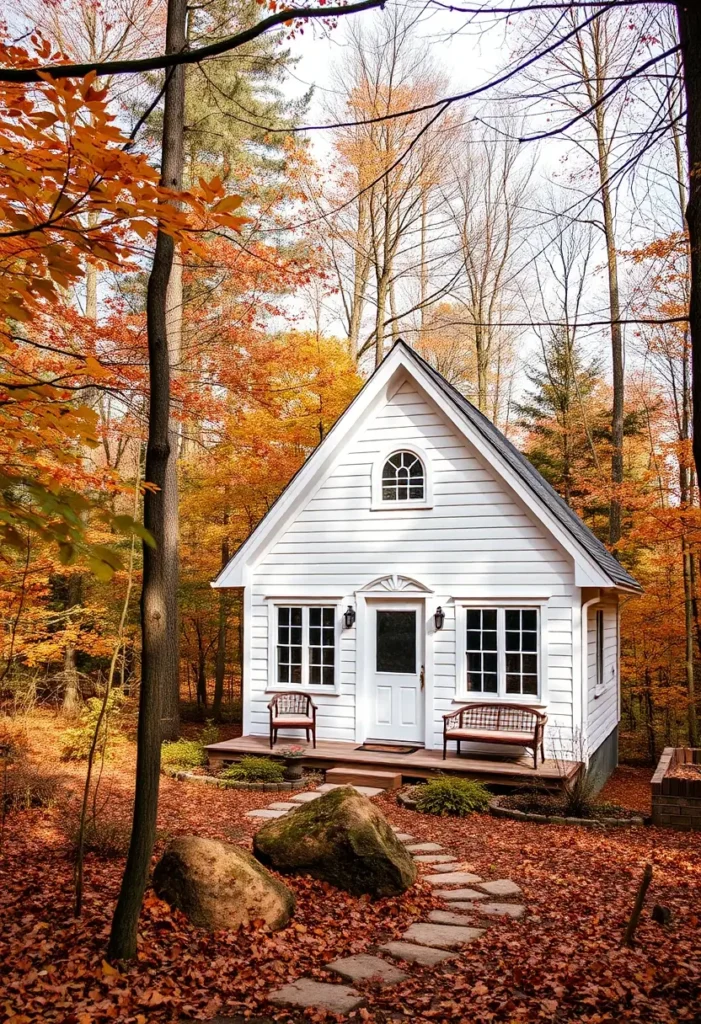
377	502
272	685
462	694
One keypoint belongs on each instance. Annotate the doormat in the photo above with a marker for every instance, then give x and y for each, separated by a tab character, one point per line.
387	748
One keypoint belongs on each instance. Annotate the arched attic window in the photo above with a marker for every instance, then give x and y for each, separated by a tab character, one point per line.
403	478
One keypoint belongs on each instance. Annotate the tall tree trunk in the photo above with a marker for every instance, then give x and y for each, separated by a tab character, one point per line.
482	354
170	710
155	628
616	331
423	269
380	317
220	663
361	271
71	684
689	22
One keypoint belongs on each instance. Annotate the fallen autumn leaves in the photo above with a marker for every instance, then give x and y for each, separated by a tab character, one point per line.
563	962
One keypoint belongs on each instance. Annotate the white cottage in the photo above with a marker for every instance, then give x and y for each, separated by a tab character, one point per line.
418	563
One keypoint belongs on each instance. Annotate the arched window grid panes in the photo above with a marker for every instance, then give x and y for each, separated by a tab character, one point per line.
403	478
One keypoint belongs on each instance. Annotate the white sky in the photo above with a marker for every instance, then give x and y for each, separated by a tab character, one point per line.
469	58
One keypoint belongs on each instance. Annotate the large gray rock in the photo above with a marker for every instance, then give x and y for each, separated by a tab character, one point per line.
341	838
217	885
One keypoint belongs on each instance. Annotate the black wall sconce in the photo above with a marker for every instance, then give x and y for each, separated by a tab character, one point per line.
349	616
439	617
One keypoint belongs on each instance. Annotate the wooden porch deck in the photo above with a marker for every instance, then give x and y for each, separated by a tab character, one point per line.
421	764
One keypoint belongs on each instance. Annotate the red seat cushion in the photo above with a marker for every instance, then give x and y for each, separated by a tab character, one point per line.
489	736
292	723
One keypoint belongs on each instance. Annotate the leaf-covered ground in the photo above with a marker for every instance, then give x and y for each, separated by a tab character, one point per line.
562	962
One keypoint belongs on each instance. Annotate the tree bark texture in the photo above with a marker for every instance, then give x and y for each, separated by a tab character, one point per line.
155	628
220	663
689	22
170	710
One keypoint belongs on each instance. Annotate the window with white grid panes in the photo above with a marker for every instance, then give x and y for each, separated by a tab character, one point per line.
403	478
306	646
521	651
289	646
482	650
322	646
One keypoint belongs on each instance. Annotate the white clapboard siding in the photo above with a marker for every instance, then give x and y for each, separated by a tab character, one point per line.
602	704
476	540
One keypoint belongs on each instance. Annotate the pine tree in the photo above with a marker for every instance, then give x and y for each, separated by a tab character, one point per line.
557	411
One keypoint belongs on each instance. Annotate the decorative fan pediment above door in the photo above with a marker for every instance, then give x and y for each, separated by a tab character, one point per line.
395	584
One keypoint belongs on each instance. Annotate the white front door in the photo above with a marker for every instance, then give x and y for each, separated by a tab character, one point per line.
397	667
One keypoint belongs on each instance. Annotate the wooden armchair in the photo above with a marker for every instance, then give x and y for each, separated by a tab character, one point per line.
292	711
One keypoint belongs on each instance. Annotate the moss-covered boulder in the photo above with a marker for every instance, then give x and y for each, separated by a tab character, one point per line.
341	838
217	885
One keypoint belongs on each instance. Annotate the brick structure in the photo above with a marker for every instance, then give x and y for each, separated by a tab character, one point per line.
676	803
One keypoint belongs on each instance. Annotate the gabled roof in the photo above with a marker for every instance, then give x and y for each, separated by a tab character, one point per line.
508	459
532	478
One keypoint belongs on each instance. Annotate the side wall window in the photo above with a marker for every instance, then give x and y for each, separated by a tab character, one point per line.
599	648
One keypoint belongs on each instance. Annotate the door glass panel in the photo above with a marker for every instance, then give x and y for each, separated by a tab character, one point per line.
396	641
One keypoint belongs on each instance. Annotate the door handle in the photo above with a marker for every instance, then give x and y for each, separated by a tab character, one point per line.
422	676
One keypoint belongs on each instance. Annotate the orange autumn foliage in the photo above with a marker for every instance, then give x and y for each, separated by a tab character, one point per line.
71	190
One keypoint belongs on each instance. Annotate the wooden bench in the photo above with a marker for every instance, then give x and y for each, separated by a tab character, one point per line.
513	724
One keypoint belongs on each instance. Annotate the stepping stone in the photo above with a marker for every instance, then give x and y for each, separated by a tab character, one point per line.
283	807
423	955
441	936
459	894
317	995
448	917
436	858
306	797
445	868
425	848
452	878
265	812
404	837
514	910
365	790
501	887
364	967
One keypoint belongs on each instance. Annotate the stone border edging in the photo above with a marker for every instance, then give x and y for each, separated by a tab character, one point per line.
267	787
407	802
497	811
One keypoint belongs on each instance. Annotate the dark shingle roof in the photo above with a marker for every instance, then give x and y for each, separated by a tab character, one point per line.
530	476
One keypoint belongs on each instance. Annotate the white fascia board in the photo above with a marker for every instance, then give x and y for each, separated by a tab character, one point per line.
312	473
587	572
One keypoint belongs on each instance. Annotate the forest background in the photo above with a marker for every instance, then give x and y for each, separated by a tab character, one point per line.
546	278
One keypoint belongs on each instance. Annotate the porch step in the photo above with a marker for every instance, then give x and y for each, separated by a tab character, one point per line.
361	777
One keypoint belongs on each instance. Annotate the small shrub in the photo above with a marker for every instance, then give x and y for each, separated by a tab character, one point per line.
254	769
210	733
448	796
28	787
578	795
77	741
104	836
182	754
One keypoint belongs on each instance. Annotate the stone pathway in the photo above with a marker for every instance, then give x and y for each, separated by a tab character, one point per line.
426	943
